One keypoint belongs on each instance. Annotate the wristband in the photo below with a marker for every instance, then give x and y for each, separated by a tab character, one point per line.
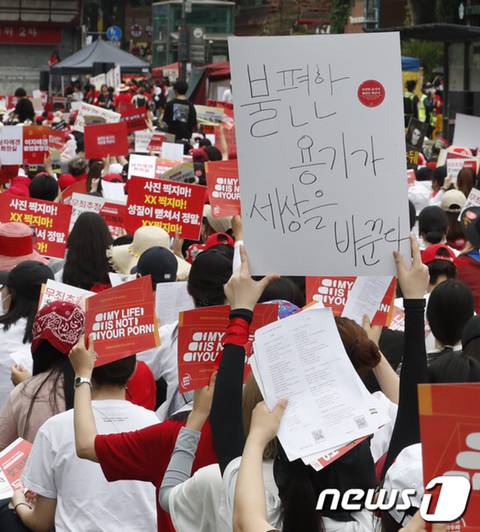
20	504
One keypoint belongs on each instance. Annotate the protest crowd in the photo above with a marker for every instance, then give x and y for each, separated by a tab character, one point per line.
145	372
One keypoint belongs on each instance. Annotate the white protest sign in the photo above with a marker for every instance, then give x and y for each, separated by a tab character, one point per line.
170	300
92	110
55	291
467	131
321	152
11	145
172	151
84	203
455	165
473	200
142	166
98	81
142	140
117	279
114	192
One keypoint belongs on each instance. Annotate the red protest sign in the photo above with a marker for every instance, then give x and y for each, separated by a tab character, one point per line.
200	337
35	144
155	144
136	119
50	220
102	140
12	463
122	320
175	207
223	187
333	292
56	139
449	428
114	216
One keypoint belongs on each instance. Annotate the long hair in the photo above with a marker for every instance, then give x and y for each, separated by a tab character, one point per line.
86	263
95	172
20	307
55	365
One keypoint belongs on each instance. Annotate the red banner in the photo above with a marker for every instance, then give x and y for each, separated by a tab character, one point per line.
223	187
136	119
114	216
51	221
35	144
103	140
177	208
333	293
29	34
200	337
122	320
449	428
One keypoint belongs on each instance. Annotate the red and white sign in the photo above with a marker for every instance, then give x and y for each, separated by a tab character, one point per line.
29	34
104	140
450	435
176	207
223	187
200	341
122	320
50	220
371	93
112	213
35	144
411	178
156	141
12	463
86	109
11	145
54	291
56	139
333	293
134	118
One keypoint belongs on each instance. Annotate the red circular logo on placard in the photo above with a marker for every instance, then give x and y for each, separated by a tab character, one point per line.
371	93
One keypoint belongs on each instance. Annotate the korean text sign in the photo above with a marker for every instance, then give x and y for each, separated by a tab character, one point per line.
50	220
200	341
103	140
35	144
321	152
11	145
176	207
122	320
223	187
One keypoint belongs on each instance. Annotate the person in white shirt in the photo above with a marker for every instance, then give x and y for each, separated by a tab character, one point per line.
73	494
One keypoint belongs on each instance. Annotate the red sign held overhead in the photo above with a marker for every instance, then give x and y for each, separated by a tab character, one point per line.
50	220
223	187
103	140
176	207
136	119
200	341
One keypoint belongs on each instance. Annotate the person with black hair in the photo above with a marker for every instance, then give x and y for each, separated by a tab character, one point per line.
20	294
283	288
450	307
440	260
432	225
61	480
94	178
86	265
44	187
56	328
24	109
180	115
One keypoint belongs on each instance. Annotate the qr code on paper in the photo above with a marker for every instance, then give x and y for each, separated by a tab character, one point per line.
317	435
361	422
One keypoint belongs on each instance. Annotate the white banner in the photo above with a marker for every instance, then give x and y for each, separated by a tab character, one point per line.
321	152
85	109
11	145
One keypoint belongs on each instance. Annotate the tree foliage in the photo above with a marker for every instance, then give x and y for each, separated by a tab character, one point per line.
340	11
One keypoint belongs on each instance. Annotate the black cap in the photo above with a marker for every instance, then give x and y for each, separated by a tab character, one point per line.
471	225
158	262
26	278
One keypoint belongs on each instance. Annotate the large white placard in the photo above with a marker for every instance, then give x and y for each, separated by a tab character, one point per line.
467	131
321	149
11	145
86	109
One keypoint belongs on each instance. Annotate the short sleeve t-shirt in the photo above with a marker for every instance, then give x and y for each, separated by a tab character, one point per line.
86	502
180	117
145	454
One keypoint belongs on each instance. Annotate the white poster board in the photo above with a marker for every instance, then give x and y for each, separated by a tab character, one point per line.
11	145
467	131
98	81
85	109
321	152
142	140
142	166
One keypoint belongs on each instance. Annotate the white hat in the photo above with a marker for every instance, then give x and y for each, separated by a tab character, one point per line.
219	225
406	473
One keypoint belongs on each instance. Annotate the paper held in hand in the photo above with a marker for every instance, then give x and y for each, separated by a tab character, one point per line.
302	358
321	153
12	463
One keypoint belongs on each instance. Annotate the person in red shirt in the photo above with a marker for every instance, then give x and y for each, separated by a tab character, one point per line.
139	455
77	169
468	262
123	99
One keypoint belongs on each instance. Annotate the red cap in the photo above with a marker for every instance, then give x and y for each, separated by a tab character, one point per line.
199	155
219	239
431	254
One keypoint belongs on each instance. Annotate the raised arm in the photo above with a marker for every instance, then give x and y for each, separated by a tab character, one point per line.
413	282
180	465
250	513
226	417
83	361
